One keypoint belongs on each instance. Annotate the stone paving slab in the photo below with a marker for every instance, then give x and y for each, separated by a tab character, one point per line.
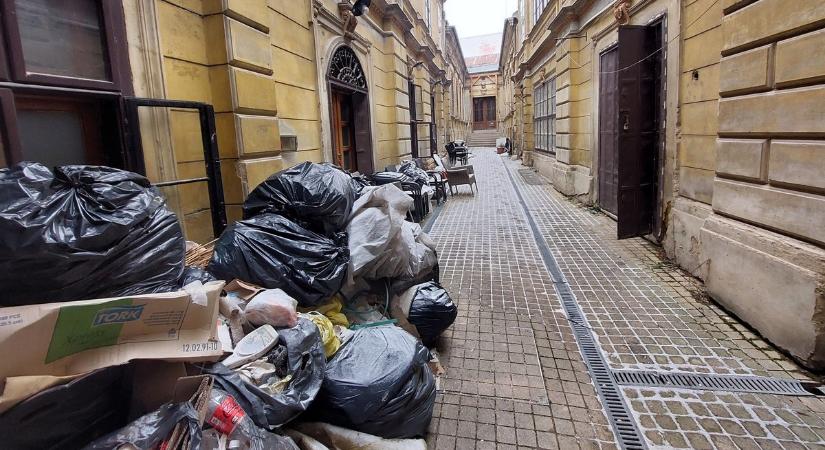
515	376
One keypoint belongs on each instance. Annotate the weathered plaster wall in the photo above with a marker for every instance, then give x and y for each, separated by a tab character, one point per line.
262	65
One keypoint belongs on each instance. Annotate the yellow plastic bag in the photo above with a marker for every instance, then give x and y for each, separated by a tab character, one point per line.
328	336
332	310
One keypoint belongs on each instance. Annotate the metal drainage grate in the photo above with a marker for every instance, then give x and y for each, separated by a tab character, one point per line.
731	383
531	177
624	425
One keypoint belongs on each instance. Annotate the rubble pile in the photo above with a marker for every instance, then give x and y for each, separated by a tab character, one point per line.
306	325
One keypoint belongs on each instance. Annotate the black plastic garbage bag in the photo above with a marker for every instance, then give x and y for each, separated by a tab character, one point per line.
84	232
417	174
69	415
273	252
431	312
194	273
382	178
151	430
379	383
318	196
306	362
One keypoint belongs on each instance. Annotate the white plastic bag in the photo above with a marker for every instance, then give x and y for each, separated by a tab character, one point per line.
273	307
381	243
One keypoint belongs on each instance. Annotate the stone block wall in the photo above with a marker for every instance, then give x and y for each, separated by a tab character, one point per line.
760	247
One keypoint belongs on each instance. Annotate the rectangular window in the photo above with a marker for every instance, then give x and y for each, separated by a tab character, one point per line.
429	23
544	116
75	44
51	44
540	5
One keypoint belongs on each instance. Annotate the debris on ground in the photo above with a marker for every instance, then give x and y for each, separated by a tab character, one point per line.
283	333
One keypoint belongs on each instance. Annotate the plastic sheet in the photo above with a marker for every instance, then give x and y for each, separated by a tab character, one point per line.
271	251
384	245
379	383
318	196
84	232
306	363
273	307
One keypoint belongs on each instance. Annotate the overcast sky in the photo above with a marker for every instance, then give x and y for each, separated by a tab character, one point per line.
474	17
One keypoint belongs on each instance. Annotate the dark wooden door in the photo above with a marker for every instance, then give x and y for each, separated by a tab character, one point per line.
361	133
343	131
608	131
484	113
639	83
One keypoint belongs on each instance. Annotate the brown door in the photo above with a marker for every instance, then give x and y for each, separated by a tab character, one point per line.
343	131
608	131
484	113
361	133
640	105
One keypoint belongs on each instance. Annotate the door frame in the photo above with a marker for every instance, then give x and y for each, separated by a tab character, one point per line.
598	160
605	41
325	48
361	105
484	110
335	118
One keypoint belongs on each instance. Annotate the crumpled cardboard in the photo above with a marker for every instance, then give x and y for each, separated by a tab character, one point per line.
64	339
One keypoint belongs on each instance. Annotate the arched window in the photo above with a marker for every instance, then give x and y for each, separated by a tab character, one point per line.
344	69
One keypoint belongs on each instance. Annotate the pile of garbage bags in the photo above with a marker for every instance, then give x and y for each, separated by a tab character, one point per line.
320	335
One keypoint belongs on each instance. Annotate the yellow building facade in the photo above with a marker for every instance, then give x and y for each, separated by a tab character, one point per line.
695	123
290	82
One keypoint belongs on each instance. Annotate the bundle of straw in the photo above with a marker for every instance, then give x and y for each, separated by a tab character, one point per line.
198	255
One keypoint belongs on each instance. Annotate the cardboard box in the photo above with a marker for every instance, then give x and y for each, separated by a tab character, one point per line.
103	401
60	339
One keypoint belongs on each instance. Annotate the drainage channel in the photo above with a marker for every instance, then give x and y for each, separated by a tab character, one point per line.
433	216
711	382
623	423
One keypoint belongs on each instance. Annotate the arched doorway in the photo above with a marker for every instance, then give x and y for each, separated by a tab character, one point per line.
350	112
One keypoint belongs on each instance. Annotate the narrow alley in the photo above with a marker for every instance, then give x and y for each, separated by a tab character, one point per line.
516	377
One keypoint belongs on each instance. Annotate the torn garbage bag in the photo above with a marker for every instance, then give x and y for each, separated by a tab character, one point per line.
271	251
425	310
227	418
318	196
305	362
384	245
84	232
379	383
153	429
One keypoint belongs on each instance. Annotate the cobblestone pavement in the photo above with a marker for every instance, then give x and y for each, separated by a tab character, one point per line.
515	375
